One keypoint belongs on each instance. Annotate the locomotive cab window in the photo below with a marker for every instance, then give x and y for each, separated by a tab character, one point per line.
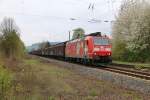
101	41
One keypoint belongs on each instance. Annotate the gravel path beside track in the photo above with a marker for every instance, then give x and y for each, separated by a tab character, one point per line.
114	78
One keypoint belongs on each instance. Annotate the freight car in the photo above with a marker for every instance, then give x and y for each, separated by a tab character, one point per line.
54	51
91	48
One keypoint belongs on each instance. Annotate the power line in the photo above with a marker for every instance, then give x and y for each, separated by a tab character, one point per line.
91	8
37	15
61	18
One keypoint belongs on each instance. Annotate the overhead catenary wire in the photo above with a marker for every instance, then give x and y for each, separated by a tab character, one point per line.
58	17
91	7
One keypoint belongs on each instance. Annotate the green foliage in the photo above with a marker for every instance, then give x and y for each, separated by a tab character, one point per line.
139	67
51	98
78	33
93	93
131	32
11	45
119	50
5	83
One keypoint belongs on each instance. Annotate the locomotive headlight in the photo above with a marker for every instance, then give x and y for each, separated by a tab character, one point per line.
108	49
96	49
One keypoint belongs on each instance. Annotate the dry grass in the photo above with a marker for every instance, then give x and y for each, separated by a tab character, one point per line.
35	79
140	65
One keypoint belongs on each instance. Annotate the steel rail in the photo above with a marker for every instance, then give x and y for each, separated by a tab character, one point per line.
128	72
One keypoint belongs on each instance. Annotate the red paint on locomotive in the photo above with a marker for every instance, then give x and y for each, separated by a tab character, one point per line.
89	47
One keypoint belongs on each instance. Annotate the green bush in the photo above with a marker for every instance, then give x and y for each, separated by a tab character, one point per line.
131	39
5	82
11	45
118	50
78	33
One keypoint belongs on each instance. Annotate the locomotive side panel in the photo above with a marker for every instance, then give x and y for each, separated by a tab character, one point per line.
89	48
77	48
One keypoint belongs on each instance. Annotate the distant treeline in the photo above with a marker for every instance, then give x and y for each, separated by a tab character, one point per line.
11	46
131	32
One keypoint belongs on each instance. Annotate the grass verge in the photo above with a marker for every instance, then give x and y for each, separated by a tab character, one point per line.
136	65
35	79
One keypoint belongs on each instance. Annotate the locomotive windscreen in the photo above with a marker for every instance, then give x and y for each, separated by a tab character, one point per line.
101	41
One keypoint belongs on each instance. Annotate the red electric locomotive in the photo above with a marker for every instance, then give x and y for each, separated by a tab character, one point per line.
94	47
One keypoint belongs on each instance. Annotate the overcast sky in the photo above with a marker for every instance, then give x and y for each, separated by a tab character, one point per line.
41	20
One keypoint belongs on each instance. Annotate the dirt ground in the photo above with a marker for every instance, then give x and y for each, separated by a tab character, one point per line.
36	79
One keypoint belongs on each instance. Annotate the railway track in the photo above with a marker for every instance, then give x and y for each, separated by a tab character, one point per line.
141	83
129	72
121	70
126	70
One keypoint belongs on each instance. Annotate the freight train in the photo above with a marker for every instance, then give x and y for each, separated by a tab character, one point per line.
92	48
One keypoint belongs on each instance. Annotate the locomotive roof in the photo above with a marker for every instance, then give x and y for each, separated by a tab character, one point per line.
94	34
91	34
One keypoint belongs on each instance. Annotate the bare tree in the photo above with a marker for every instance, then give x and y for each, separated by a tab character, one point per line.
11	45
8	25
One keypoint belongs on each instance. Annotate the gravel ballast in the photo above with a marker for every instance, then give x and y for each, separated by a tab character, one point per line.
125	81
